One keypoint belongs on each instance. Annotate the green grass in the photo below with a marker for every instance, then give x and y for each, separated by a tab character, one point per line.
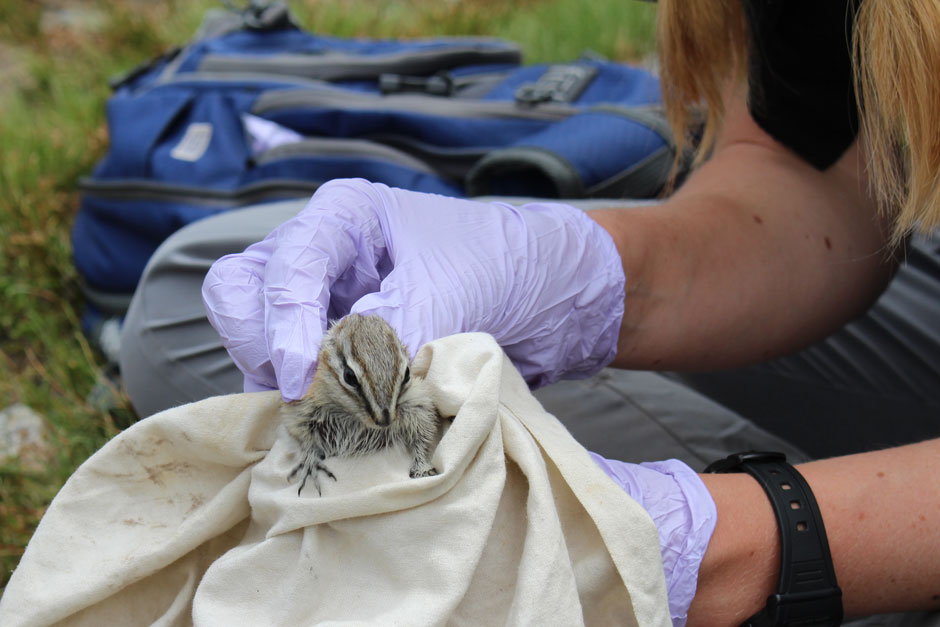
52	132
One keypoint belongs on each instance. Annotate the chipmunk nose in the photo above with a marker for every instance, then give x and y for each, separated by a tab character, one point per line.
386	419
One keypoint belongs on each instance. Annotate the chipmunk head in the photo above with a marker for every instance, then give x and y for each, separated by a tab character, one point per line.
364	367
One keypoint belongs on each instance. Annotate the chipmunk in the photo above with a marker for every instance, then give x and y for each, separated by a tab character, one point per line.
362	399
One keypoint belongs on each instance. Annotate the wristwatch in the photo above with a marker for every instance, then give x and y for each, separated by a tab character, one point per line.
807	593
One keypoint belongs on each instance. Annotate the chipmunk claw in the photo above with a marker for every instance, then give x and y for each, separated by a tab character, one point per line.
311	470
422	470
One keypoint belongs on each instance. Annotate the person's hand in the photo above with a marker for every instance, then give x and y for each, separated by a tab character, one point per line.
544	279
684	514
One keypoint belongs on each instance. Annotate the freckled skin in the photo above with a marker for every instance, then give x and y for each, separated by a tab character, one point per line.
362	399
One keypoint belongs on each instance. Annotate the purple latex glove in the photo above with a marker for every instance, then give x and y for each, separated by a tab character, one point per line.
544	279
684	514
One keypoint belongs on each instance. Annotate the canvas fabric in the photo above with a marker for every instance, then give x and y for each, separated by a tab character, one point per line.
188	517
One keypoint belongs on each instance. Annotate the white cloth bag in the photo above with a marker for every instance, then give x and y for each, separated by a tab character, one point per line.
188	517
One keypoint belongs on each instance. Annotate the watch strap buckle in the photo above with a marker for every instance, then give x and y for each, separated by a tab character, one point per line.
812	608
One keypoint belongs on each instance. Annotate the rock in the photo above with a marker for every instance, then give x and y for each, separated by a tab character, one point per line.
76	17
22	437
14	69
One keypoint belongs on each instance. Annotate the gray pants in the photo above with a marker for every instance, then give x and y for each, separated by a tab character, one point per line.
871	384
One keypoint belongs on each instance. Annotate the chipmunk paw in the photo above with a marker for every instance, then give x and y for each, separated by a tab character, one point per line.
422	470
311	470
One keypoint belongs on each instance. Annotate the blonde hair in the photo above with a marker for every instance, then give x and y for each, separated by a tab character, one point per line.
896	56
701	45
897	70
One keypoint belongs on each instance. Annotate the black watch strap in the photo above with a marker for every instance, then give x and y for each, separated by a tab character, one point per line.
807	593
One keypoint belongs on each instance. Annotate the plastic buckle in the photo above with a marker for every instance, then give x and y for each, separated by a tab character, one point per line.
808	609
439	84
261	14
560	83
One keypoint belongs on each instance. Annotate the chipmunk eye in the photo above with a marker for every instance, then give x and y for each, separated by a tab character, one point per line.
350	378
407	376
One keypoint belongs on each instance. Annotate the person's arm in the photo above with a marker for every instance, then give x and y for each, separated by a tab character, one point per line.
757	254
881	511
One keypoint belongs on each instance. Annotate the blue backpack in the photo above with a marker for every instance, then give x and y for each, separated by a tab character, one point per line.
454	116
